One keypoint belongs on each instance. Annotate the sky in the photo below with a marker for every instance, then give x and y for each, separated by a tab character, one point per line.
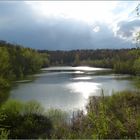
68	25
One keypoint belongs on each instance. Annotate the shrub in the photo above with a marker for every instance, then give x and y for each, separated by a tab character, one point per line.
24	120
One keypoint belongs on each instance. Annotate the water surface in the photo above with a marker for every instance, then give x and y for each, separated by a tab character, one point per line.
68	88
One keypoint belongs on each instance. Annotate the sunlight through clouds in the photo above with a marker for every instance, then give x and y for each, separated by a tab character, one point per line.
87	11
90	12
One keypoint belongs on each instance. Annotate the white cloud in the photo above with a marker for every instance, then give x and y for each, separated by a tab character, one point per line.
127	29
86	11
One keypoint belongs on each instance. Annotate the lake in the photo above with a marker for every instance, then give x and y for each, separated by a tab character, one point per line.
68	88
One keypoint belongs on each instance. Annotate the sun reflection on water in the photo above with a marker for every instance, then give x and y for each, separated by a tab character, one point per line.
86	68
83	78
86	89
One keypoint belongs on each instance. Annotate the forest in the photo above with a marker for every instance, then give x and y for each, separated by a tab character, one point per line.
125	61
16	62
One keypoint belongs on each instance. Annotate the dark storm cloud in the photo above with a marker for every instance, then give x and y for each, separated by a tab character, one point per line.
15	12
20	24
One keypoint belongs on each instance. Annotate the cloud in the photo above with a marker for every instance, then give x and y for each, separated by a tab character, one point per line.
21	24
127	29
96	29
15	12
88	11
127	22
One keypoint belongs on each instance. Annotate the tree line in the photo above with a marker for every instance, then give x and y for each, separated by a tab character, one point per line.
16	62
126	61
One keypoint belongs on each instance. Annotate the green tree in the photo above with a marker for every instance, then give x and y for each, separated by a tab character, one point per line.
77	60
4	67
136	66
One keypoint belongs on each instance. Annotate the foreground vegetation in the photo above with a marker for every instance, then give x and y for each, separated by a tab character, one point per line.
111	117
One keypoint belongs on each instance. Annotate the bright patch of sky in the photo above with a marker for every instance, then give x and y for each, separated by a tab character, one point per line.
87	11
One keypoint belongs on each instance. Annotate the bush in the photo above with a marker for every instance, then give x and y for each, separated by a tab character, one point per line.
60	123
24	120
116	116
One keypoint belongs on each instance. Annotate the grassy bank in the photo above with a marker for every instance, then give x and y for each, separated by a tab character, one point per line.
111	117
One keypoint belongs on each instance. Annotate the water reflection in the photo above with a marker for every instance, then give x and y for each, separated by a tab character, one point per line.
86	68
86	89
79	72
82	78
68	68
